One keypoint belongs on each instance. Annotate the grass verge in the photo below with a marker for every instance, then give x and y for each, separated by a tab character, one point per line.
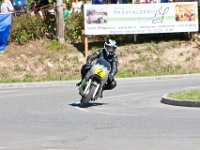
186	95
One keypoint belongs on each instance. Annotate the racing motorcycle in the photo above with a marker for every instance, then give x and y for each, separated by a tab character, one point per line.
92	85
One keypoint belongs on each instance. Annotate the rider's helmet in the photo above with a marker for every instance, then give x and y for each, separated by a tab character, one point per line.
110	46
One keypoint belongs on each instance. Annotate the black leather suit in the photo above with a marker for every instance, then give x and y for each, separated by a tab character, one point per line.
112	59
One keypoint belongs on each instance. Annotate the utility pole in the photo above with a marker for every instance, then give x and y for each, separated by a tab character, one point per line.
60	21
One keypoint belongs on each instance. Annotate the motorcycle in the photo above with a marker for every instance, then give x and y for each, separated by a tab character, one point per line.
92	85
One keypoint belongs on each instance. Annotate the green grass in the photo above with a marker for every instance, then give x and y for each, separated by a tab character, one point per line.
186	95
150	69
53	45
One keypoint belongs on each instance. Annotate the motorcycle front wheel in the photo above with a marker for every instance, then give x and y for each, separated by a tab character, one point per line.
85	99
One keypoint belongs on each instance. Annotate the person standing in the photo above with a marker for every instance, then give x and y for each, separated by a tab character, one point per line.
97	1
7	7
77	7
66	10
33	9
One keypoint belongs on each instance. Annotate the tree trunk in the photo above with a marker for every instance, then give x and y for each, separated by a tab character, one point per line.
60	21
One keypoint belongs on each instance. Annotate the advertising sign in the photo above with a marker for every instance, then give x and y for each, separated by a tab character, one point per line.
141	18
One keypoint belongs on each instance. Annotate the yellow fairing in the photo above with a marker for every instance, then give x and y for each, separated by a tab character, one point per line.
100	71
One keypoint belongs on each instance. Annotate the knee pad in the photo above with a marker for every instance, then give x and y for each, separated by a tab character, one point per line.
113	84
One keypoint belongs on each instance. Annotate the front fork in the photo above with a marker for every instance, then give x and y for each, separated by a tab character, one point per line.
84	91
95	92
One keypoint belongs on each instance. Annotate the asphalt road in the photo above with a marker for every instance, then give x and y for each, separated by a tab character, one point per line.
130	117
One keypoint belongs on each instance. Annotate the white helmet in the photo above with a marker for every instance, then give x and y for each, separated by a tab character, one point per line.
110	46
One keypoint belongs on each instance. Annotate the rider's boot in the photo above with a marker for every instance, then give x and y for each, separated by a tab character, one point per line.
79	83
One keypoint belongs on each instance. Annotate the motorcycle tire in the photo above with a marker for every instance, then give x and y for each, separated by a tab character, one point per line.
85	99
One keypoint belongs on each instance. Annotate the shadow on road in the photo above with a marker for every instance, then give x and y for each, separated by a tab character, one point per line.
90	104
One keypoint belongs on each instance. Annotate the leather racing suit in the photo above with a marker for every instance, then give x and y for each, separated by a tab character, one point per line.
112	59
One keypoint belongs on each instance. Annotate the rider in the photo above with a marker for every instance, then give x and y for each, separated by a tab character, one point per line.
108	53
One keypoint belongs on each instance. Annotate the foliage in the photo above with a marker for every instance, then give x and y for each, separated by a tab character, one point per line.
53	45
73	27
26	27
50	26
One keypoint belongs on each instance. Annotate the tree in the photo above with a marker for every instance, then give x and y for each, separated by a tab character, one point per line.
60	21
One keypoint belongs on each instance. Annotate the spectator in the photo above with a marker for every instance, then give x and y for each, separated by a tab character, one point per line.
144	1
33	9
164	1
7	7
156	1
66	10
118	1
19	5
97	1
43	7
77	7
43	3
124	1
113	1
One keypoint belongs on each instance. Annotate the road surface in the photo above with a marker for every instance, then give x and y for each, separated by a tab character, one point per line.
130	117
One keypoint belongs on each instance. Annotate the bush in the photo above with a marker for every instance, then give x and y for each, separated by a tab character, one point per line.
26	27
73	27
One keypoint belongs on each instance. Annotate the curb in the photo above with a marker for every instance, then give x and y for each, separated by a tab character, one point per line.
63	83
170	101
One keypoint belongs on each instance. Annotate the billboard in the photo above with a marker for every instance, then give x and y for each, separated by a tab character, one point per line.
141	18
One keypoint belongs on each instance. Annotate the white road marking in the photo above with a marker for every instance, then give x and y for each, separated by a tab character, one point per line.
2	147
8	91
